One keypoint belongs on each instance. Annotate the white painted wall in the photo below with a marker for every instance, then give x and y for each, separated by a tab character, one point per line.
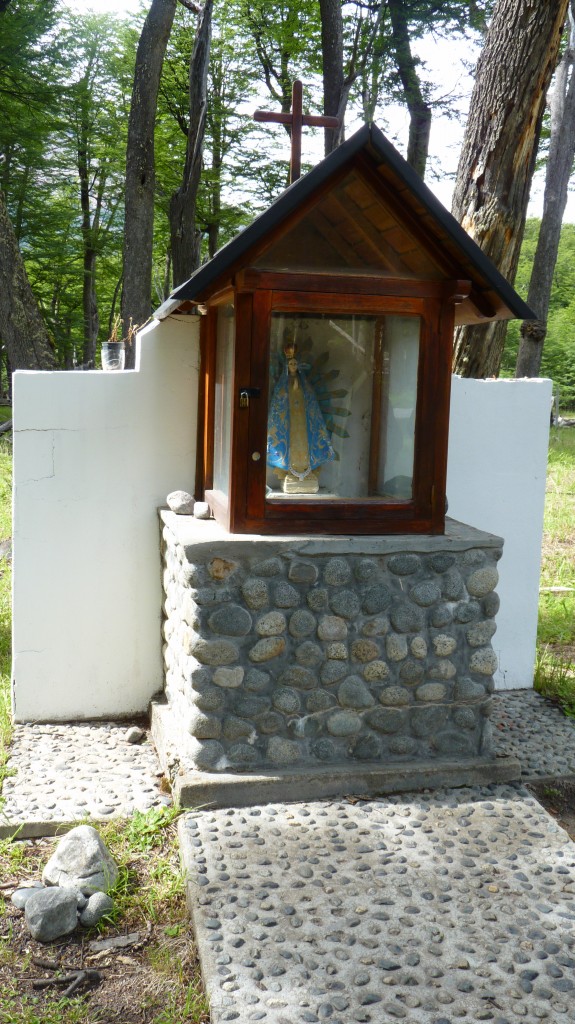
499	431
95	454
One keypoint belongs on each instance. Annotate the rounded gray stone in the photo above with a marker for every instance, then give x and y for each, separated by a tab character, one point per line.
319	700
230	620
282	751
483	661
353	693
375	599
440	615
324	750
204	727
337	572
396	647
271	624
81	861
309	653
333	671
411	671
452	741
286	700
255	593
211	699
386	720
427	721
365	650
267	648
404	565
181	503
98	905
215	652
406	617
345	603
206	754
318	599
134	734
426	593
229	678
298	676
482	581
286	596
480	633
202	510
270	722
418	647
51	913
249	705
302	623
440	562
467	611
467	689
490	604
394	696
431	692
256	681
465	718
366	570
267	567
303	572
452	586
343	723
236	728
332	627
242	754
21	896
367	748
402	746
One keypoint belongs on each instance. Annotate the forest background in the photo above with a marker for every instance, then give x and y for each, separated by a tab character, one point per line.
65	90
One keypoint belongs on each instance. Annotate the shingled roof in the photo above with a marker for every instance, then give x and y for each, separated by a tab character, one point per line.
429	240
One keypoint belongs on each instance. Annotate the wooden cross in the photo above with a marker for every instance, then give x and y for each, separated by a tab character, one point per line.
296	119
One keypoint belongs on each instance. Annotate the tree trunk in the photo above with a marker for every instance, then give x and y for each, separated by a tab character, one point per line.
419	110
499	150
140	168
185	238
335	93
21	326
558	173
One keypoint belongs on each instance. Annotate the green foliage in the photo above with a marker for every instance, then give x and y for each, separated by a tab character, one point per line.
558	359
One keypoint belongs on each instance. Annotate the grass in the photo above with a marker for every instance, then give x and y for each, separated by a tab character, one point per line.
555	664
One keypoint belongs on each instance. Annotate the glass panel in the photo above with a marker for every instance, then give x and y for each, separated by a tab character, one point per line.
223	398
341	417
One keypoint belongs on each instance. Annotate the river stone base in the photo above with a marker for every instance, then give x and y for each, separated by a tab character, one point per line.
193	788
288	654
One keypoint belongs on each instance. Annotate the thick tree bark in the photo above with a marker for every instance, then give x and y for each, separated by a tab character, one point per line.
558	173
419	110
140	169
90	227
22	329
185	238
335	91
499	150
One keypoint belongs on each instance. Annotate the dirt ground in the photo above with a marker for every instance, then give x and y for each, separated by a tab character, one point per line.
558	798
142	977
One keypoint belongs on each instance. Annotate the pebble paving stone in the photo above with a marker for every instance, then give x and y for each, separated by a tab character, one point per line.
428	909
70	772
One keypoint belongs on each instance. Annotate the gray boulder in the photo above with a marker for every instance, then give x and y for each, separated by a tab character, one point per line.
21	896
81	861
181	503
97	906
51	913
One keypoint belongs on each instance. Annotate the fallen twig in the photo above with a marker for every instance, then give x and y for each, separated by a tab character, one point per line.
74	981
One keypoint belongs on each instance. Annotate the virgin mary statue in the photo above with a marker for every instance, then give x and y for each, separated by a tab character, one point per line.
298	439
